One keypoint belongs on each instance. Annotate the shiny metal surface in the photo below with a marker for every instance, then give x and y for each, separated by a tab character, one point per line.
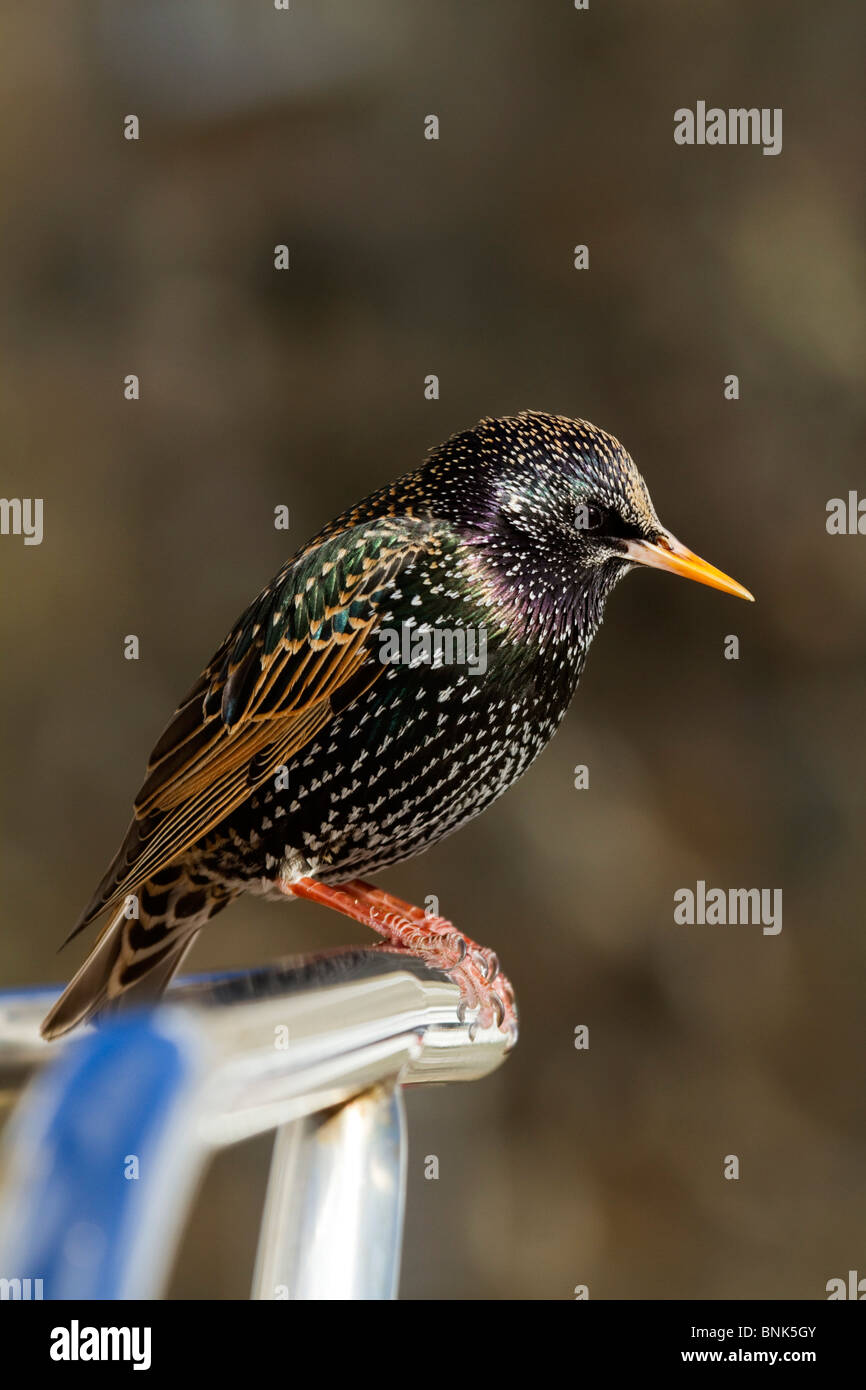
315	1049
342	1239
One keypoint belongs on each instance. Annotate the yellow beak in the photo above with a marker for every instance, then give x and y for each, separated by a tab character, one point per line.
667	553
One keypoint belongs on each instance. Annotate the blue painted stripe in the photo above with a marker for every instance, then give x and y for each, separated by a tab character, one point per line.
108	1099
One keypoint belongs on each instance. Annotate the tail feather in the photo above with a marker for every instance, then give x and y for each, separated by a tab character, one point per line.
135	957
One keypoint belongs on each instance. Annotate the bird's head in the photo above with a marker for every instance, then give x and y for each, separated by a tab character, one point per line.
569	511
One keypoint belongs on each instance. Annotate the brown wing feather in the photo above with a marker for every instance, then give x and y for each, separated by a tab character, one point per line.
266	693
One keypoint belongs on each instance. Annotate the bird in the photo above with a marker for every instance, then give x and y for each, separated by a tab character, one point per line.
401	671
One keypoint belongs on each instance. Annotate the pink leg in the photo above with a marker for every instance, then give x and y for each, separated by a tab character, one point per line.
472	967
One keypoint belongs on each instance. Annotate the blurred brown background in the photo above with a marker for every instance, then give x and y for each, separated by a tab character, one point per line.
411	257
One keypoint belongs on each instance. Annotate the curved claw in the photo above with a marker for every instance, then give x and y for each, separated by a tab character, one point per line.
462	943
480	959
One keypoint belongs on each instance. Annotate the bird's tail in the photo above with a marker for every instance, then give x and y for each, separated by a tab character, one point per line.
139	949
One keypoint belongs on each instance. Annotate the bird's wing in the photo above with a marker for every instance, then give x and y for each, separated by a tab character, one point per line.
299	653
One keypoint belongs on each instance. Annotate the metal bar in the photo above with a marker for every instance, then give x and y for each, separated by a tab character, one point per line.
315	1049
333	1219
99	1162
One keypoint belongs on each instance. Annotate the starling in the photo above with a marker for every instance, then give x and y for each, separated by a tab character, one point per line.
398	674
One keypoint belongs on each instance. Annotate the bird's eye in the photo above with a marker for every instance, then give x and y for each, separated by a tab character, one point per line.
588	518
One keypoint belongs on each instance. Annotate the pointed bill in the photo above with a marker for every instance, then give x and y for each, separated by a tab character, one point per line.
667	553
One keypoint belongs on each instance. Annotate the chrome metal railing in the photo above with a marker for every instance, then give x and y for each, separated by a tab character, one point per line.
111	1130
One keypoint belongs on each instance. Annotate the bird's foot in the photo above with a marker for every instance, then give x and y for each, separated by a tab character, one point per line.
487	996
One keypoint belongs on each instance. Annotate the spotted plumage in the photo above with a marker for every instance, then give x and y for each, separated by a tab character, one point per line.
304	759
